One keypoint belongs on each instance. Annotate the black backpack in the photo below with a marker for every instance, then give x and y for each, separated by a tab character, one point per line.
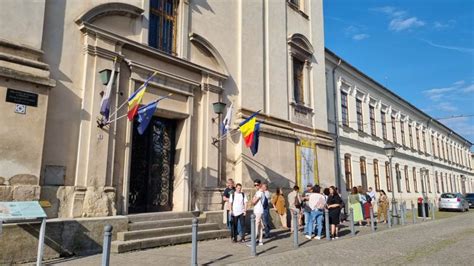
368	198
265	202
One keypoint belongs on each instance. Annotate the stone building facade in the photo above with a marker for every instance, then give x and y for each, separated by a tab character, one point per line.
430	158
257	55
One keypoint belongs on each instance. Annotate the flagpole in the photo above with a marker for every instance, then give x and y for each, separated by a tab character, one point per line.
126	101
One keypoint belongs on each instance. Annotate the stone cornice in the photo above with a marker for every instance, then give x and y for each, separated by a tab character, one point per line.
26	77
90	29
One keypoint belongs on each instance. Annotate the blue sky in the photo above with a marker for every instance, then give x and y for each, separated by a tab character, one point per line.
423	50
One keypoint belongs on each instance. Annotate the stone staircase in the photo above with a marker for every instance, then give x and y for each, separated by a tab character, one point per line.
149	230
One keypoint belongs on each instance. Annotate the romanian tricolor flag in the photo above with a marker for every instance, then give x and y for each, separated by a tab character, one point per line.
136	98
250	132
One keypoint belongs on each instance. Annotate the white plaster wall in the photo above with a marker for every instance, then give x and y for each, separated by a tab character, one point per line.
22	21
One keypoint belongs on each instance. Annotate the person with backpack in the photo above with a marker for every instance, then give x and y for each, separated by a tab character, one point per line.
278	201
257	202
238	209
306	208
294	203
266	210
228	191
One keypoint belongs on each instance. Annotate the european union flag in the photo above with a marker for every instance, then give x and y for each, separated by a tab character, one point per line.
145	113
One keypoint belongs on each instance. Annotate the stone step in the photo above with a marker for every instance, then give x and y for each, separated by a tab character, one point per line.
155	216
119	246
175	230
163	223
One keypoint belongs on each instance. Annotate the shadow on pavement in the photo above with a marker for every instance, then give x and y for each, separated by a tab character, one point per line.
218	259
268	249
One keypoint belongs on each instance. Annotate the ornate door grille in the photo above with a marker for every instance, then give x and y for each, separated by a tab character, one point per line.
151	175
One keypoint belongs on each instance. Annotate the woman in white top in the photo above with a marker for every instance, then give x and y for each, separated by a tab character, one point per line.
238	208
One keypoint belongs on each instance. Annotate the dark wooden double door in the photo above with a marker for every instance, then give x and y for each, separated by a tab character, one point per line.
151	175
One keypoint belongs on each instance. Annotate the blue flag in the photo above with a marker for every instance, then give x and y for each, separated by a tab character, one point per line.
256	134
145	113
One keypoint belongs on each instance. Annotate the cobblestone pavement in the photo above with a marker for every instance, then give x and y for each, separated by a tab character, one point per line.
444	241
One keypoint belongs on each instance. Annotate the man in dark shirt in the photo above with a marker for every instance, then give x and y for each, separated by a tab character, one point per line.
228	191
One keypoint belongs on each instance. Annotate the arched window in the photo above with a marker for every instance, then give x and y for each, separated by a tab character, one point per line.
376	175
388	176
398	176
407	180
348	171
163	25
363	172
301	57
415	184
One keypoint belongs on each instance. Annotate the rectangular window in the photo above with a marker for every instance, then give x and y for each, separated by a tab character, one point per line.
410	135
424	141
384	125
394	130
402	132
163	25
433	150
372	120
407	180
443	147
442	183
415	184
437	181
428	180
363	172
360	117
298	78
348	170
376	175
398	176
417	139
388	176
437	147
344	109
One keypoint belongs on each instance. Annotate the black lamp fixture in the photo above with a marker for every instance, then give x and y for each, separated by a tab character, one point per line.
218	107
105	75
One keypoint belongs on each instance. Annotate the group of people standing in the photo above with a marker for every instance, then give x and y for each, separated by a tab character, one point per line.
309	207
361	201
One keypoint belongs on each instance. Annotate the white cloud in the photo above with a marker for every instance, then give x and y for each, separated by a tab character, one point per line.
443	25
399	19
359	37
390	10
462	125
455	48
447	107
456	88
469	89
437	93
399	24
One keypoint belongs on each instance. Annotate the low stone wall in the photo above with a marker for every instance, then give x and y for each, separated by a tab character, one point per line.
83	236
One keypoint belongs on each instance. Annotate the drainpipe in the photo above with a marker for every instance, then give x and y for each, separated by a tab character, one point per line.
336	128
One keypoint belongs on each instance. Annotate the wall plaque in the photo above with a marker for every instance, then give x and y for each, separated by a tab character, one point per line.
22	97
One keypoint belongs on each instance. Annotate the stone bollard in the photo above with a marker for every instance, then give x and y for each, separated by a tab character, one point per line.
372	223
295	229
423	209
432	210
389	217
106	245
351	221
194	238
413	211
326	223
253	240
